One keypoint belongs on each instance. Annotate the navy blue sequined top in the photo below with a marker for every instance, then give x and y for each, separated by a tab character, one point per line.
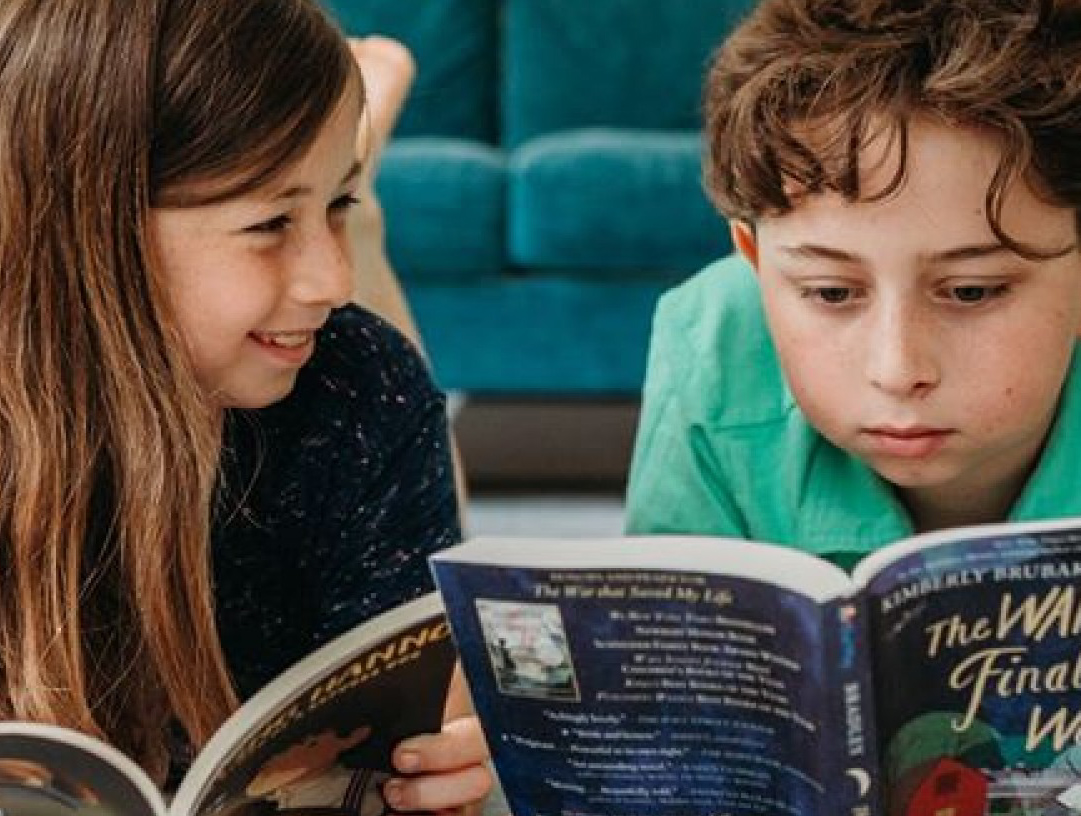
330	500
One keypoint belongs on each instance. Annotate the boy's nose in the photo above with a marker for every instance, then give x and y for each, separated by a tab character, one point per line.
323	271
901	355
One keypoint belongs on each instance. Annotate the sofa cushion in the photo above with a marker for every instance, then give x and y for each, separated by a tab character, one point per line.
444	201
455	44
621	63
606	201
543	335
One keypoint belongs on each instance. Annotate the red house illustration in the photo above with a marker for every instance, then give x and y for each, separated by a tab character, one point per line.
941	787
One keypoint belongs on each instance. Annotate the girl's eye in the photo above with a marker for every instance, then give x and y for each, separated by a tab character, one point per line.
976	293
344	202
271	225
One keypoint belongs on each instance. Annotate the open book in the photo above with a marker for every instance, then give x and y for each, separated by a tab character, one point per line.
317	740
707	677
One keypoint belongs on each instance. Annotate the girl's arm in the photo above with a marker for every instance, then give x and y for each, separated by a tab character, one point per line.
446	773
388	70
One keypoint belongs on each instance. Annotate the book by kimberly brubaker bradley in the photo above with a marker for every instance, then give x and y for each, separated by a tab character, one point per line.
671	676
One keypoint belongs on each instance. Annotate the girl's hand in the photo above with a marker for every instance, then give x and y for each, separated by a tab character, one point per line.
447	771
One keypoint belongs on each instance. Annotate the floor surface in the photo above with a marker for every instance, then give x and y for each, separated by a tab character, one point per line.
559	515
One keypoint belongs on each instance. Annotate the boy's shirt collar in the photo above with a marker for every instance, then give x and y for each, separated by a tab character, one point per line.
848	510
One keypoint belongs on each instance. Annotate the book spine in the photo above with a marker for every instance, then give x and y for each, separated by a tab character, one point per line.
852	778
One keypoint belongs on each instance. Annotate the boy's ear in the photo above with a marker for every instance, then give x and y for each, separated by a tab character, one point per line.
743	238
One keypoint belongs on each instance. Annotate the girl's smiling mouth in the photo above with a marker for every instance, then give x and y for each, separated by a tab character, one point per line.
293	347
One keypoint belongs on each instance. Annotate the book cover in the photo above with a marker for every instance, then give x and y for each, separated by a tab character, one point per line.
994	619
316	740
50	771
619	678
710	677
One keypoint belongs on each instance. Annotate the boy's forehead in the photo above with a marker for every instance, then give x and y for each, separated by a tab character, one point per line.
880	148
932	179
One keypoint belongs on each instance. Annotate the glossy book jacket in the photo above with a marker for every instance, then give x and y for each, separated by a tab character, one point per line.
682	676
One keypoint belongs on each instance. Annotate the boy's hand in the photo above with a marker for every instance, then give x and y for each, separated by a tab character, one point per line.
447	771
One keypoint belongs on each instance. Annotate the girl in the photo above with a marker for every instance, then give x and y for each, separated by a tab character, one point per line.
209	463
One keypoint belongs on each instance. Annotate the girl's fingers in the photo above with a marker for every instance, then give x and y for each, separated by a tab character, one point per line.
459	745
450	791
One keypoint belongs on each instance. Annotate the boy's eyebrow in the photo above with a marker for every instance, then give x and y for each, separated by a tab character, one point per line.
817	251
303	189
967	252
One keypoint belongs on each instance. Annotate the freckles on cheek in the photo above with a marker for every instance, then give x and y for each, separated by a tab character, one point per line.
813	380
815	356
996	413
1010	408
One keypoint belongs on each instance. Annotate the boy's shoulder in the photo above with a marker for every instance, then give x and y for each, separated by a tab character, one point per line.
711	345
730	283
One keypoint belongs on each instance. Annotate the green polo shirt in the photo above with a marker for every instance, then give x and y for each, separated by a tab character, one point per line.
723	449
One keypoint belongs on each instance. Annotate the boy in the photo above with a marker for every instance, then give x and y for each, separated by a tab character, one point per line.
895	350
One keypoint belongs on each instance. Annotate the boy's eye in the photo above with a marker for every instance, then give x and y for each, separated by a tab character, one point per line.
830	295
271	225
975	293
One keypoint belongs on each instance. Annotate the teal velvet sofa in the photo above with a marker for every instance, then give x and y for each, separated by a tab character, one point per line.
543	185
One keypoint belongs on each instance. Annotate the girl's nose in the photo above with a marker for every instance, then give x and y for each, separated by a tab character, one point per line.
323	274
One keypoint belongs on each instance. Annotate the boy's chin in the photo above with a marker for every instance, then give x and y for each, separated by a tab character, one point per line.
913	476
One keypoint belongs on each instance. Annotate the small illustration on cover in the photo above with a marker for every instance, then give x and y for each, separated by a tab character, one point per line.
527	645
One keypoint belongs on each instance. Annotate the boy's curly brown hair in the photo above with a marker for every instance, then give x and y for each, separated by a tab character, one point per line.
802	86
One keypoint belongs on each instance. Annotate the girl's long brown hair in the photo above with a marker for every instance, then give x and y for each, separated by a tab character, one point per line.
108	450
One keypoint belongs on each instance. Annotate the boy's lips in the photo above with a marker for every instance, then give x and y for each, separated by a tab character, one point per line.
909	442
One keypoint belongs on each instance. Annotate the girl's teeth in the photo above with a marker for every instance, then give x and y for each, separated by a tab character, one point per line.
284	339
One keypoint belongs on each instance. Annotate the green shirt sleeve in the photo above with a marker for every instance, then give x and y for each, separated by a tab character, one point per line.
675	484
